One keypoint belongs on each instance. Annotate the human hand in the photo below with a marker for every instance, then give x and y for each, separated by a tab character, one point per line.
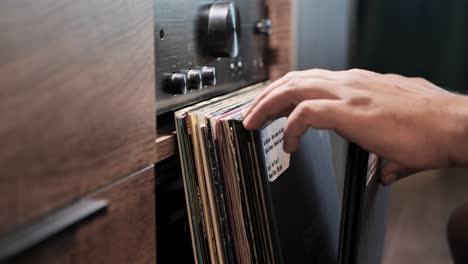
413	124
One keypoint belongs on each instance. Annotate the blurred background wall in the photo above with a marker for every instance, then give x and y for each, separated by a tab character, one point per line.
425	38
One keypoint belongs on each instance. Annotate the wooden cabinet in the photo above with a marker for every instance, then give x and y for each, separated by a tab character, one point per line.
77	112
123	233
281	59
77	100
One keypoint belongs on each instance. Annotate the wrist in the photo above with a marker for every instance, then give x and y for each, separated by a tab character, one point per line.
458	147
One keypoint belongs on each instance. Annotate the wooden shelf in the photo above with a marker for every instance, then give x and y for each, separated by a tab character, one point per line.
166	143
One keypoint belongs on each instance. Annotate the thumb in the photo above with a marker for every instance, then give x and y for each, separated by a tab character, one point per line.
393	171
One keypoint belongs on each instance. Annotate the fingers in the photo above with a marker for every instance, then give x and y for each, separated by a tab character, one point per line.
393	171
289	95
313	73
321	114
270	88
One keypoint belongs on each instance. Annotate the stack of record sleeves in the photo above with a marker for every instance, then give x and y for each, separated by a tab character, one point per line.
226	170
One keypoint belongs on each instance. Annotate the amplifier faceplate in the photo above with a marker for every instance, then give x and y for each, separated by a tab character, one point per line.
182	44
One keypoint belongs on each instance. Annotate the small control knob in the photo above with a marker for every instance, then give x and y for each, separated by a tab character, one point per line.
220	29
208	75
176	83
194	79
263	26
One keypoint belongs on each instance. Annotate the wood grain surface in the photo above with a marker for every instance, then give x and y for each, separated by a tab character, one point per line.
124	233
166	145
281	37
77	100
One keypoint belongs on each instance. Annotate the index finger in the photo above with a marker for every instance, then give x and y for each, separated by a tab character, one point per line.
288	96
313	73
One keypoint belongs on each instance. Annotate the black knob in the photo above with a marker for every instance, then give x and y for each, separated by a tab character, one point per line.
194	79
176	83
208	76
219	29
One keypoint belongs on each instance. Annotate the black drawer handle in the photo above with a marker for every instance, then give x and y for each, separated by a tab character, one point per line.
46	227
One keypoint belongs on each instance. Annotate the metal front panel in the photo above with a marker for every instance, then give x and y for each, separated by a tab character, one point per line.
177	48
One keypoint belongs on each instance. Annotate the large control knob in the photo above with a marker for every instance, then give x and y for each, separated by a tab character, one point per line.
219	29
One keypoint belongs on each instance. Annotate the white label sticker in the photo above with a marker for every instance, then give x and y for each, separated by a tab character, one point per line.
276	160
